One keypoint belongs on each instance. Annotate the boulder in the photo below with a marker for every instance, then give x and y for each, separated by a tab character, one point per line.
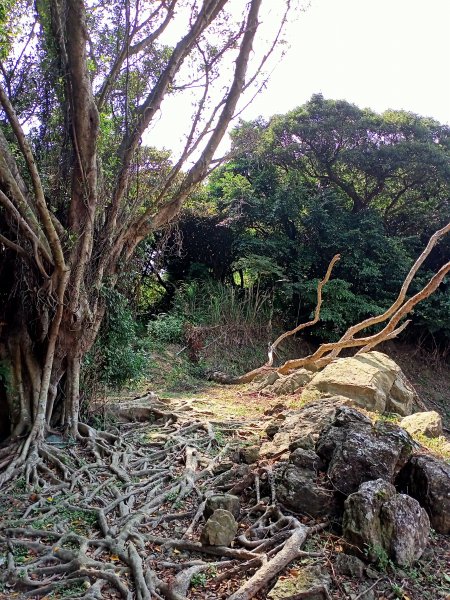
356	451
265	380
146	408
372	380
310	583
424	423
385	525
226	502
299	487
289	384
220	529
301	428
406	529
231	477
427	479
306	459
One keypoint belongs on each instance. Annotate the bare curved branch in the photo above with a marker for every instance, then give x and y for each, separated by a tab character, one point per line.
316	318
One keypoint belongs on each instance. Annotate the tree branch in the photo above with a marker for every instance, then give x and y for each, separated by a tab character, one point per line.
316	318
147	111
42	209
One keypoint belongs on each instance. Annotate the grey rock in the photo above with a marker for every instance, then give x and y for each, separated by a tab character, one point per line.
306	441
427	479
306	459
311	583
289	384
233	476
361	522
272	429
249	454
427	423
265	380
220	529
352	566
302	427
406	529
379	522
225	501
357	451
298	485
146	408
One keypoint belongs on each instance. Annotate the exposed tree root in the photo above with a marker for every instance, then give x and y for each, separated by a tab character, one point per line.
95	518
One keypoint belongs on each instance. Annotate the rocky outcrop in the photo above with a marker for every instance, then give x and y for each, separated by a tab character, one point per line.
301	428
427	423
299	486
220	529
371	380
286	384
384	524
427	479
356	451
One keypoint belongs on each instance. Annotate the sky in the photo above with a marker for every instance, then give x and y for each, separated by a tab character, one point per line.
377	54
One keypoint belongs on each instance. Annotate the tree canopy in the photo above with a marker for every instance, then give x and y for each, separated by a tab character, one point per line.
330	177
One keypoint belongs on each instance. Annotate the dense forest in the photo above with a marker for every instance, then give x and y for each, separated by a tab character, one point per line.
327	177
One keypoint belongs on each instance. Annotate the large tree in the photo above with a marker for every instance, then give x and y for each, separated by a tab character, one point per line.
396	162
80	84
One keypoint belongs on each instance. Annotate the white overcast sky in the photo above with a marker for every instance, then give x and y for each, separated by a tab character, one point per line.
377	54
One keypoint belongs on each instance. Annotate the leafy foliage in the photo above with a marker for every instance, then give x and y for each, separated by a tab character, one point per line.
118	356
331	178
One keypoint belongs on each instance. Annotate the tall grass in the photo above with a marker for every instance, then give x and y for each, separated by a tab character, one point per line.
230	325
212	303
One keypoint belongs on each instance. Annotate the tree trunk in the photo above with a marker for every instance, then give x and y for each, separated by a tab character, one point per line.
44	388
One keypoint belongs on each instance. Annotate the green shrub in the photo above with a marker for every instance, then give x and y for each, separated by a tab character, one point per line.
212	303
117	357
166	328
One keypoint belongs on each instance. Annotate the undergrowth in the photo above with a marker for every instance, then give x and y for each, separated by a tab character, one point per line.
210	327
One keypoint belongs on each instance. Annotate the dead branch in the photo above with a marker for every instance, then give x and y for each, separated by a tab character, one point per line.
329	351
316	318
291	550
